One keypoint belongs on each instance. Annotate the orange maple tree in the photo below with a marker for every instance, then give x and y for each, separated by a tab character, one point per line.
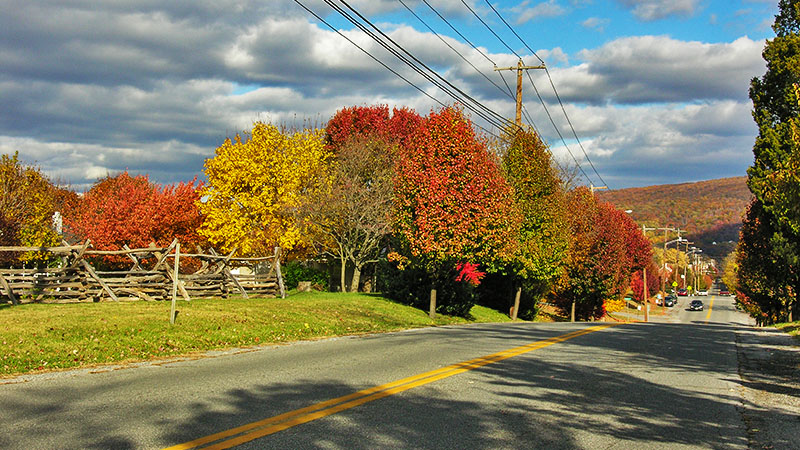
125	210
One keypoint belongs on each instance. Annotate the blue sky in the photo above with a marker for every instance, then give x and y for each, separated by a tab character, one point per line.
656	89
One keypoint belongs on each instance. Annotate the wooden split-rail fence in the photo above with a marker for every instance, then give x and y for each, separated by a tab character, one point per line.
151	276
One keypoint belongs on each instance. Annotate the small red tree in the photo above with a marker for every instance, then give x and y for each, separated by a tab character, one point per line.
125	210
452	202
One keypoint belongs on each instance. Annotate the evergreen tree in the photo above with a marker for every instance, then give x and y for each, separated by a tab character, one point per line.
774	177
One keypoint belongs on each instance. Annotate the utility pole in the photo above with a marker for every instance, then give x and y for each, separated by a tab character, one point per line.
519	69
665	230
596	188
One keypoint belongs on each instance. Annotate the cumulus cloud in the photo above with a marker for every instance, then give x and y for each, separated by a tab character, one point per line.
645	145
648	69
525	12
89	89
650	10
595	23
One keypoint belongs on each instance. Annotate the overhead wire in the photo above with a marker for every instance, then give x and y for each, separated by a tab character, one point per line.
549	116
552	84
541	100
369	54
508	91
527	115
429	74
490	29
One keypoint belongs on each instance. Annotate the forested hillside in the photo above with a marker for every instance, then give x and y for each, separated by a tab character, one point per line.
710	211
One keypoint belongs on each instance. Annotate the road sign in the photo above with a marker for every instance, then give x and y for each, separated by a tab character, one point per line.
674	284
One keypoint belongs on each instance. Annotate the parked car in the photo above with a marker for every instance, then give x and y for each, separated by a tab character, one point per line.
701	293
682	292
696	305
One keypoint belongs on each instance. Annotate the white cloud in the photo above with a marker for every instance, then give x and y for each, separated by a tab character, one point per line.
90	88
595	23
525	12
650	10
648	69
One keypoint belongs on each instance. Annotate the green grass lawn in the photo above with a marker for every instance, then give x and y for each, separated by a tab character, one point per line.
792	328
41	337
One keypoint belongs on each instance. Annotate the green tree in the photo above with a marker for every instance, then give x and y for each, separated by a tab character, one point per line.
543	235
763	272
774	177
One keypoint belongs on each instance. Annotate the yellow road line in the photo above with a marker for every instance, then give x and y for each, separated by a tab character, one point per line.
245	433
710	307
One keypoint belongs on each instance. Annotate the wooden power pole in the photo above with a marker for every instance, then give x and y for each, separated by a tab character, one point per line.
519	68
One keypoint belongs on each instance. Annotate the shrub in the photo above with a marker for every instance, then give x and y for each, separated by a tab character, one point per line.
411	285
296	271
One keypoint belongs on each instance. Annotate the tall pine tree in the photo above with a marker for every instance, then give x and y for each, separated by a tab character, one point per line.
774	177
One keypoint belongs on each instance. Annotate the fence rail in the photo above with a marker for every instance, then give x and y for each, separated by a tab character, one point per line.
150	276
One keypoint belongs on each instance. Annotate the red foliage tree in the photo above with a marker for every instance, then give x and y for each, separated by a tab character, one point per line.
125	210
652	282
452	202
371	121
608	247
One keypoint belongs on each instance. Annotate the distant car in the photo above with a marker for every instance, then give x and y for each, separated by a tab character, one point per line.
724	292
701	293
670	301
696	305
682	292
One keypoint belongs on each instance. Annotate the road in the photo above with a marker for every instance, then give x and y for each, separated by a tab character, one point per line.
671	384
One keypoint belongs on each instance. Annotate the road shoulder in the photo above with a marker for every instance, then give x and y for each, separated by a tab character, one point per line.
769	372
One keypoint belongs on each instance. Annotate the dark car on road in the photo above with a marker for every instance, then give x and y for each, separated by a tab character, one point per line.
696	305
670	301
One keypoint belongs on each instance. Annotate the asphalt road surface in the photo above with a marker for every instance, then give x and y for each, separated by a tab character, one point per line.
672	383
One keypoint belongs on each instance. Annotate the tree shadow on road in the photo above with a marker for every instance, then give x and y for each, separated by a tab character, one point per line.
558	398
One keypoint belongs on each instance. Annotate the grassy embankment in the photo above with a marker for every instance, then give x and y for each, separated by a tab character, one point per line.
43	337
792	328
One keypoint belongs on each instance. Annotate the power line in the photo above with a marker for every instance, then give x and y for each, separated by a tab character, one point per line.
508	90
368	53
458	32
557	130
491	30
552	84
318	17
528	117
470	103
513	31
456	51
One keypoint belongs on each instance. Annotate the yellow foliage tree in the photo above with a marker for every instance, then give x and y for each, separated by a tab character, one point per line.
27	204
258	188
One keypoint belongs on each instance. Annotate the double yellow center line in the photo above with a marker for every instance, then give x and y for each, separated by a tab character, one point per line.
245	433
710	307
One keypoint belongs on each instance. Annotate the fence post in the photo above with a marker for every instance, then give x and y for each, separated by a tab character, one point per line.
516	303
278	271
432	311
175	284
9	292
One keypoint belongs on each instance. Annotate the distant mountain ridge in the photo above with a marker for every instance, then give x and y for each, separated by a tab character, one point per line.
709	211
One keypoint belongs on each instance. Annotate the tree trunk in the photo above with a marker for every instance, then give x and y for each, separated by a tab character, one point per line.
356	279
343	274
